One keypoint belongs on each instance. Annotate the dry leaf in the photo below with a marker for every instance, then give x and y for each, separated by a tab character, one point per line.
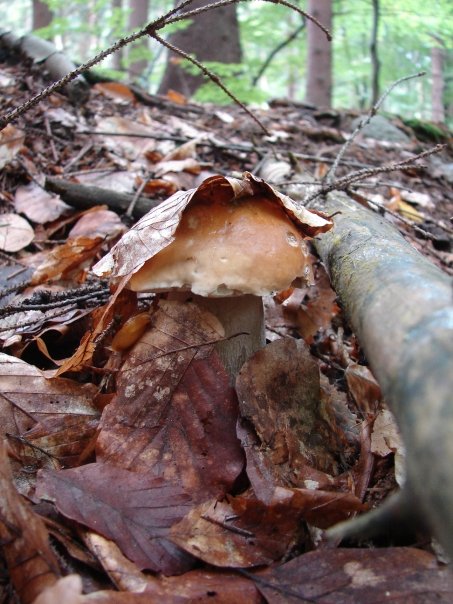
175	414
69	260
99	223
279	394
356	576
116	91
11	141
15	233
133	509
31	564
38	205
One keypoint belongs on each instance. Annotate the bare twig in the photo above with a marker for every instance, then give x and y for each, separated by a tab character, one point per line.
366	120
343	183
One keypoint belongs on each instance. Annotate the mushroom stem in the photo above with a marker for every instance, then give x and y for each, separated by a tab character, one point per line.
238	314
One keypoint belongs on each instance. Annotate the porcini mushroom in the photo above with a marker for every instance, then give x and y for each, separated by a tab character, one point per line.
229	255
225	244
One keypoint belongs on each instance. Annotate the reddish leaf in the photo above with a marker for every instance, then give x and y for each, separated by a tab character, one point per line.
239	533
134	510
355	576
30	561
28	397
175	413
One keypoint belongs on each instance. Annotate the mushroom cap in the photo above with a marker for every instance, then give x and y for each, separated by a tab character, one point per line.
228	248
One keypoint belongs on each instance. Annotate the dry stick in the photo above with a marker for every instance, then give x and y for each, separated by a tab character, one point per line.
343	183
374	109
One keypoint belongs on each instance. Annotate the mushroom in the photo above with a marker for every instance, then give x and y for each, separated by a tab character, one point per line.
226	255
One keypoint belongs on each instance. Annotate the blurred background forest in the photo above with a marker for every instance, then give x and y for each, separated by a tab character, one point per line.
266	51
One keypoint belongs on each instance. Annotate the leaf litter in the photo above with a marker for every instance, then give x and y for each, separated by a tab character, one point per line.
152	463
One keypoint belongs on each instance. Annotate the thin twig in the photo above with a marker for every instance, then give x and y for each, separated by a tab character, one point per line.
343	183
366	120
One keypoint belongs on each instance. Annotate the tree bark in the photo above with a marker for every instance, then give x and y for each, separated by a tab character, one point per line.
438	84
117	57
42	15
138	17
401	308
375	63
212	36
319	57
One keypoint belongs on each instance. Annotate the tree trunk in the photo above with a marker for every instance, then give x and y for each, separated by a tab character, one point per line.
42	15
319	58
438	84
212	36
375	63
138	17
400	306
117	57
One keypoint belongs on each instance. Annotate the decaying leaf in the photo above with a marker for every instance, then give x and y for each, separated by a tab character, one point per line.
38	205
27	397
156	229
355	576
175	414
363	387
98	222
15	233
279	394
11	141
69	260
30	561
240	532
134	510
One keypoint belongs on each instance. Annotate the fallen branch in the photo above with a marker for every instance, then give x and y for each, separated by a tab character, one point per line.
83	197
401	308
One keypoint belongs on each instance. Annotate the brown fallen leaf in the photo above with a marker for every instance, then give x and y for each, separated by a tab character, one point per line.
363	387
38	205
15	233
240	532
116	91
134	510
175	414
97	223
356	576
27	397
120	307
11	141
318	308
280	395
70	260
31	563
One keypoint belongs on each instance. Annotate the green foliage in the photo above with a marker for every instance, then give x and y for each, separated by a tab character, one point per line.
408	29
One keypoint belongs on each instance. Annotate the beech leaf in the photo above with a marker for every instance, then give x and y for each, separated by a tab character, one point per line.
134	510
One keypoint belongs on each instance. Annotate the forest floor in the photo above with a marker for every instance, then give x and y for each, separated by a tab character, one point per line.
197	497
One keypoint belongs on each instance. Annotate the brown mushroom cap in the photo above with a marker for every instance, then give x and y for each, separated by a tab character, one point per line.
248	246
